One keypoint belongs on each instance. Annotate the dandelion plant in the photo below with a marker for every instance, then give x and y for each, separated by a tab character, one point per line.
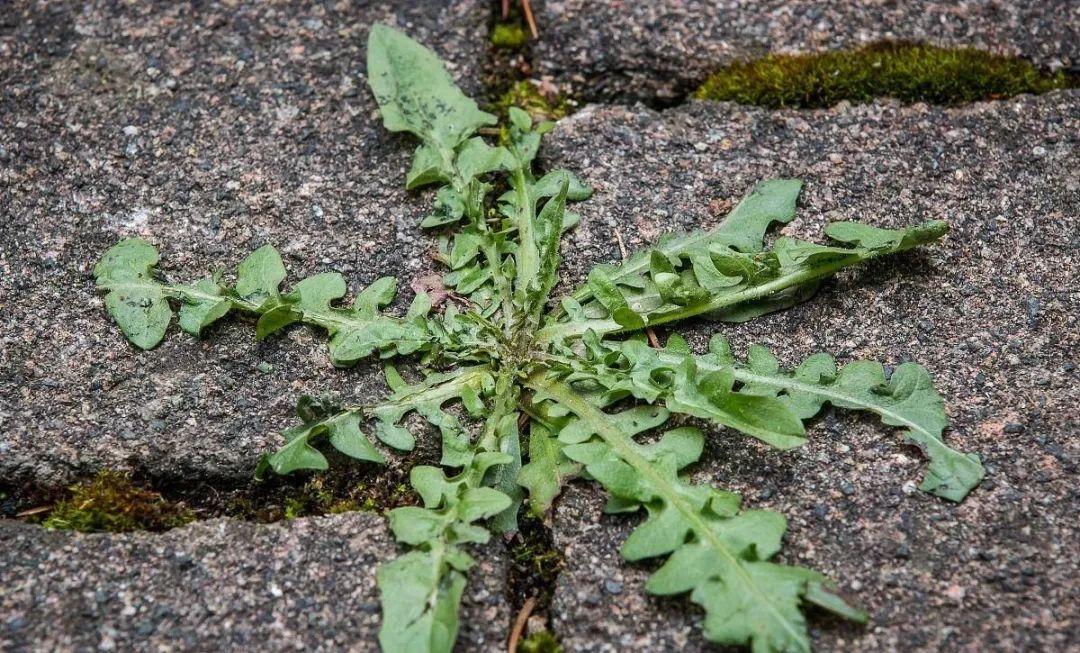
571	387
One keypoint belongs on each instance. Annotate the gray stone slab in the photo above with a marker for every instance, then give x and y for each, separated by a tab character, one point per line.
308	584
209	130
660	50
991	312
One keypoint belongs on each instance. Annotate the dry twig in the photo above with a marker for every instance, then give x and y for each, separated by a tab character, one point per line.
519	624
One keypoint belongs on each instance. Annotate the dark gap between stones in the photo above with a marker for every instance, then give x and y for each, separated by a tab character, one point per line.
113	501
534	568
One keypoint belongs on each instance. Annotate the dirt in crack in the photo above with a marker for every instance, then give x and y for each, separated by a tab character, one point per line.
535	565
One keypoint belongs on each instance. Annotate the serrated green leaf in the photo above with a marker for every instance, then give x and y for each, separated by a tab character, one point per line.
744	228
427	398
503	477
710	396
907	398
361	330
718	554
870	237
702	386
668	290
547	233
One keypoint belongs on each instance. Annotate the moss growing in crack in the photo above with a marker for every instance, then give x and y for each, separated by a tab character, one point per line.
322	495
538	559
910	72
511	36
536	564
527	95
111	503
541	642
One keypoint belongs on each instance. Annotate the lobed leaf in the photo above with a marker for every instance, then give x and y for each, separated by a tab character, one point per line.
322	420
427	398
140	305
717	552
743	229
764	401
421	591
547	471
724	283
905	398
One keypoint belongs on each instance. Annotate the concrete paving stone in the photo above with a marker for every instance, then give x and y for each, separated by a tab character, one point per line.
307	584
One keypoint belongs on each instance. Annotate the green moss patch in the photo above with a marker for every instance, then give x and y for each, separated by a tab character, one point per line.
910	72
541	642
511	36
111	503
528	96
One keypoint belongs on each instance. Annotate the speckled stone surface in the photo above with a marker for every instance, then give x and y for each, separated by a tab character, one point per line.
210	130
307	584
991	312
660	50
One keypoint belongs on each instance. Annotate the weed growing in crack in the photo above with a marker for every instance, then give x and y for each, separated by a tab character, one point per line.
518	366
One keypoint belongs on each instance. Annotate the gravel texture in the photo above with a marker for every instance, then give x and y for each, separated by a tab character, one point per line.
991	312
657	51
216	585
209	129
